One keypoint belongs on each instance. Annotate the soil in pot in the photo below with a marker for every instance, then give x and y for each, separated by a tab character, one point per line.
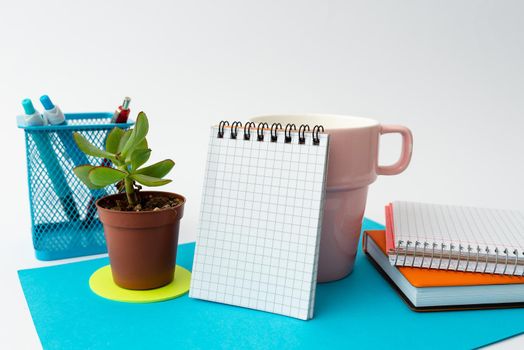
142	241
146	202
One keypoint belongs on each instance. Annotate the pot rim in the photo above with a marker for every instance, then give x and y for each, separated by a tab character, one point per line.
179	196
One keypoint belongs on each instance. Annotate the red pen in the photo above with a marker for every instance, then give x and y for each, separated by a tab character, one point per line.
122	112
120	116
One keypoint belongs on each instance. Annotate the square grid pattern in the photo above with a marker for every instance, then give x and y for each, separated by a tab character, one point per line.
261	215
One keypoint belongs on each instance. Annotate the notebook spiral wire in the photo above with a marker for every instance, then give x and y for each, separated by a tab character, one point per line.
274	128
468	254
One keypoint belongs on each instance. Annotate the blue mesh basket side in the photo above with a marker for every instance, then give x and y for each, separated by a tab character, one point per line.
63	213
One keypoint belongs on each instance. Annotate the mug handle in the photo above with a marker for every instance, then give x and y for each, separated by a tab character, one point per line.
407	150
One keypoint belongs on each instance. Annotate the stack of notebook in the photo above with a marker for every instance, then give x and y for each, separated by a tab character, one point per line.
443	257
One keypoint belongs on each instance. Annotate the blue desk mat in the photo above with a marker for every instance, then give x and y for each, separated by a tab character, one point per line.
360	311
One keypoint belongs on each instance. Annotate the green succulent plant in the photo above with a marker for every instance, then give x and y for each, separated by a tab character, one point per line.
128	151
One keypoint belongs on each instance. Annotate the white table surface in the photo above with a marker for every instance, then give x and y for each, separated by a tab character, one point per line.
450	70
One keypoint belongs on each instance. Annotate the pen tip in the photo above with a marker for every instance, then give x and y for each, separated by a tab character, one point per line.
46	102
125	104
28	106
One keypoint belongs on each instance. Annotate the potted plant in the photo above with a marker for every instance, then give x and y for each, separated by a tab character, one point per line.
141	227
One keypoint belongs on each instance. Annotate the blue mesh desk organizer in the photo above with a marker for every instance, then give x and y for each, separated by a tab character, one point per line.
64	221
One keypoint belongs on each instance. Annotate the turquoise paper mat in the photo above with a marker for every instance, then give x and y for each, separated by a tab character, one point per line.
361	311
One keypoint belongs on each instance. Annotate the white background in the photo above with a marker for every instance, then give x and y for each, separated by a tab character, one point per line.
452	71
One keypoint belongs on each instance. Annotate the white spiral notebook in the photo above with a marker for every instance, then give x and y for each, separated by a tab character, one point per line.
259	231
455	238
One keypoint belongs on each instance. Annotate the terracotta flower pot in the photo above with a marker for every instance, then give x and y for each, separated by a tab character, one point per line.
141	245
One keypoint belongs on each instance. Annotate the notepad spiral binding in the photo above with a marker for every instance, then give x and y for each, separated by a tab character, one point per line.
275	127
460	258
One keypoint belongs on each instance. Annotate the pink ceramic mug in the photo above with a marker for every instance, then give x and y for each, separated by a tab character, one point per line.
352	167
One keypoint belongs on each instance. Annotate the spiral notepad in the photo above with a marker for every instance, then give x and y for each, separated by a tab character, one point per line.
455	238
261	212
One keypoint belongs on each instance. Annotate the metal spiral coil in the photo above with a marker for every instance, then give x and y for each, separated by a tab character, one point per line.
301	133
221	127
316	130
260	131
287	132
275	127
247	130
234	129
471	257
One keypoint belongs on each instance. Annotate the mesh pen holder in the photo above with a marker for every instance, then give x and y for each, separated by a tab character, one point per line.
64	220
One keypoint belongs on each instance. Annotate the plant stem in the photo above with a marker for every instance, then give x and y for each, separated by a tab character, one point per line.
130	192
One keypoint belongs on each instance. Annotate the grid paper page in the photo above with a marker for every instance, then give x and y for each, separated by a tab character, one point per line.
472	229
259	232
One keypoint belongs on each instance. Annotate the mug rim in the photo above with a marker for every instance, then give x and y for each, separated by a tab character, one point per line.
340	121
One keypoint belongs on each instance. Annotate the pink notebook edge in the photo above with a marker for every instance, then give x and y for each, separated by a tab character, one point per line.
390	228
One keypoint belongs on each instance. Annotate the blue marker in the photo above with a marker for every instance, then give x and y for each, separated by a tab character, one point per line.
47	154
52	113
32	117
54	116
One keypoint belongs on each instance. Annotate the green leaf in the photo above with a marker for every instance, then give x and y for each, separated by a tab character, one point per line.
83	174
149	180
104	176
90	149
113	140
158	170
123	140
142	145
141	127
137	135
139	157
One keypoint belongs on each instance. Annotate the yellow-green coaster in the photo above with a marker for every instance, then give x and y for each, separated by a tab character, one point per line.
102	284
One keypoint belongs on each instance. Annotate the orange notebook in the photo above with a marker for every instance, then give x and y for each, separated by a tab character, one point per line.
433	290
